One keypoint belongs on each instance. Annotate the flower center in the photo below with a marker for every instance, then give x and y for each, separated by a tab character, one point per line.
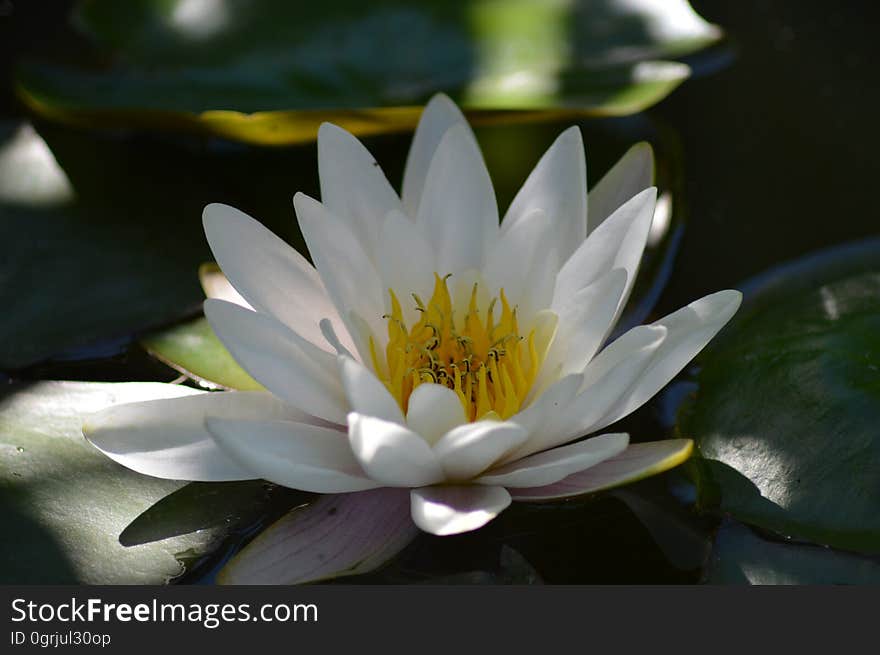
488	365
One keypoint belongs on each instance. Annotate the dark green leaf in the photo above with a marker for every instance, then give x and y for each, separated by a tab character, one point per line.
196	64
787	412
739	556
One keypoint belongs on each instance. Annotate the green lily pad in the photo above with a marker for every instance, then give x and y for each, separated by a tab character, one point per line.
739	556
91	254
64	504
194	349
785	418
270	71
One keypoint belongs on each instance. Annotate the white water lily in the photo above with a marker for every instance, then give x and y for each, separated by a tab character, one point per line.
430	348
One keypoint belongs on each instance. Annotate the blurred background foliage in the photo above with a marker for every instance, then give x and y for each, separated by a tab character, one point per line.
120	121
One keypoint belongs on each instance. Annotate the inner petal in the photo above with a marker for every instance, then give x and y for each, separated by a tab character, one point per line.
479	352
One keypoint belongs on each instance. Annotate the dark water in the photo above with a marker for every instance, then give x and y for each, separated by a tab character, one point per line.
772	150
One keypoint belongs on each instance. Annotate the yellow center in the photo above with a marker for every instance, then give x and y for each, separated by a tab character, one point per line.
488	365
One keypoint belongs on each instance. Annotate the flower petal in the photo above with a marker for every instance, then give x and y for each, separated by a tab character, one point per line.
295	455
348	273
607	379
216	285
458	207
167	438
406	262
634	172
470	449
584	323
353	186
433	411
452	510
336	535
558	186
439	115
688	331
392	454
278	358
273	277
638	461
617	243
553	465
366	394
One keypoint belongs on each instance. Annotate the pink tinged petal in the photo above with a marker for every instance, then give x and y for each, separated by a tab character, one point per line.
439	115
278	358
216	285
348	273
470	449
392	454
366	394
406	262
458	208
688	331
273	277
633	173
336	535
167	438
553	465
295	455
353	186
454	509
637	462
433	410
617	243
558	186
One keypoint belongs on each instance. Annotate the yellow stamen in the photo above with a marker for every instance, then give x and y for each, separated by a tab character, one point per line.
484	360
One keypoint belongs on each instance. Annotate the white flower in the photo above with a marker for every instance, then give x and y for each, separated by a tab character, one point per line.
430	348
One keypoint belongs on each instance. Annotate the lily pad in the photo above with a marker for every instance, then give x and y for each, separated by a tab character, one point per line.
270	71
785	418
64	504
739	556
90	254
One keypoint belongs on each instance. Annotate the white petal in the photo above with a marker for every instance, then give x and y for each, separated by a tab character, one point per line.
352	282
439	115
406	262
216	285
365	392
167	438
634	172
335	535
458	207
353	186
451	510
617	243
470	449
553	465
514	252
537	415
278	358
607	380
433	411
273	277
558	186
295	455
392	454
585	320
638	461
688	331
